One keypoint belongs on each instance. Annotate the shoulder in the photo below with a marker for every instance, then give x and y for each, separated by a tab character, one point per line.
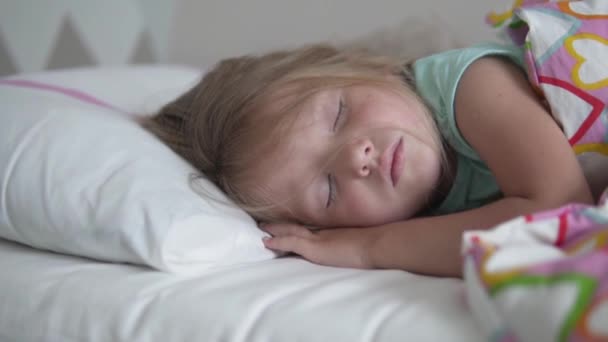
438	77
492	86
444	70
493	97
507	124
457	60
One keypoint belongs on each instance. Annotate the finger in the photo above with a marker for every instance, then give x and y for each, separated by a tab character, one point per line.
286	229
290	244
277	252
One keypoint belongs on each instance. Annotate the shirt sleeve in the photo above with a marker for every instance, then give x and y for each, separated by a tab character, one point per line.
437	78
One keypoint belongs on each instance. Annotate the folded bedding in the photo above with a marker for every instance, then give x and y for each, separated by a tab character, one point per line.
544	276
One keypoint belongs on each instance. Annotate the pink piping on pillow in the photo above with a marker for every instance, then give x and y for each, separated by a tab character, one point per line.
73	93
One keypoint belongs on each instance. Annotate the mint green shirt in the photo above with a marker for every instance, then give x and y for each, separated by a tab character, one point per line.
436	79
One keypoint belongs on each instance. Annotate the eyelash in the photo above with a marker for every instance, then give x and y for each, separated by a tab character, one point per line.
331	196
341	108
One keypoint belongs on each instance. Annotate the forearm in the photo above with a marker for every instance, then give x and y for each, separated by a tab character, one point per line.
431	245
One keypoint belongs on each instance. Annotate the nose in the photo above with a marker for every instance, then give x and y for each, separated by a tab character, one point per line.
359	157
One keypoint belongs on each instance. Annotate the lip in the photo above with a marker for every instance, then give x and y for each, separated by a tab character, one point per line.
396	162
392	162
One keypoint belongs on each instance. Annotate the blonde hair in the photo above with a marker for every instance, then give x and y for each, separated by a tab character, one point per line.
218	125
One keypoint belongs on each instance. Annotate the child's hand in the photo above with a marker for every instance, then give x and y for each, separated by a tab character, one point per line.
341	247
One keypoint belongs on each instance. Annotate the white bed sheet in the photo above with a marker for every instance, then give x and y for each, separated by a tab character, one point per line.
52	297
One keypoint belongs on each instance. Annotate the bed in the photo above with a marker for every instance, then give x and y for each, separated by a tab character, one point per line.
52	297
97	247
104	238
53	294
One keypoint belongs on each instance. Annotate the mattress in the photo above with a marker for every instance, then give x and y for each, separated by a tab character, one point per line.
52	297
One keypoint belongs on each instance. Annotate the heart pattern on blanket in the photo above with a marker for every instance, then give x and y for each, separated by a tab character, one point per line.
594	322
496	19
533	293
565	54
581	108
591	9
557	28
588	244
591	53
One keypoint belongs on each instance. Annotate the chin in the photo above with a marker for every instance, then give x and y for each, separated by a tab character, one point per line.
408	213
376	218
389	219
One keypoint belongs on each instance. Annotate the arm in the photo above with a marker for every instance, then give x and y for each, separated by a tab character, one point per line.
431	245
501	118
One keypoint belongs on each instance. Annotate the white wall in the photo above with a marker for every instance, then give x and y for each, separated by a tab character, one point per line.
204	31
37	35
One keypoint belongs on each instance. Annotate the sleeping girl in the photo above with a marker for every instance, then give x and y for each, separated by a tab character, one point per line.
352	159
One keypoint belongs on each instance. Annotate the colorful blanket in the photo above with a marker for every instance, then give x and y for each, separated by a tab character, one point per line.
544	277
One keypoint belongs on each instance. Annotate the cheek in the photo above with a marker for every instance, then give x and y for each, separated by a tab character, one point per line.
361	206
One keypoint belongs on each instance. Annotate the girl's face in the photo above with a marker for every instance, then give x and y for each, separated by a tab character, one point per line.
356	156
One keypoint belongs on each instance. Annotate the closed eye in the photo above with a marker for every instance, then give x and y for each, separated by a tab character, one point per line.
331	193
341	108
331	183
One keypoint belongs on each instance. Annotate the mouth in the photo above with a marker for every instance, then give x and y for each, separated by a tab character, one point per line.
397	162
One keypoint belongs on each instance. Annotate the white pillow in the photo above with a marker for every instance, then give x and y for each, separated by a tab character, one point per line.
81	178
